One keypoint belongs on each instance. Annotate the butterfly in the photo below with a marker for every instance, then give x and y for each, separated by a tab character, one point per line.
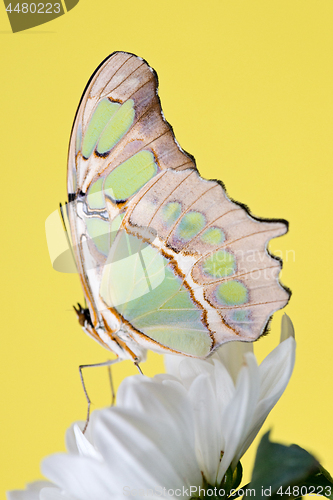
166	259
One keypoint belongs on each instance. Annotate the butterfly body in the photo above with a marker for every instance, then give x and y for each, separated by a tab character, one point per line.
167	261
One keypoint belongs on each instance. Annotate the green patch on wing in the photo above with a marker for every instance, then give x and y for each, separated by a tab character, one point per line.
117	127
78	139
213	236
240	316
190	225
219	265
171	212
126	179
99	232
146	292
115	224
95	196
231	293
101	116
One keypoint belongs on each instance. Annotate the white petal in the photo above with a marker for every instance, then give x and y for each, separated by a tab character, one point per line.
83	478
275	372
154	450
70	438
231	355
287	328
150	396
31	492
190	369
161	377
276	369
84	447
207	426
186	370
239	412
224	386
171	363
161	401
54	494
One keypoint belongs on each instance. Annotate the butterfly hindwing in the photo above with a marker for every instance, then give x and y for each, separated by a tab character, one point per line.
219	278
151	299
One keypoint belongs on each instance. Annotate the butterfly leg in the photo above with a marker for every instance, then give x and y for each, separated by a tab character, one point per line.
138	367
113	394
81	367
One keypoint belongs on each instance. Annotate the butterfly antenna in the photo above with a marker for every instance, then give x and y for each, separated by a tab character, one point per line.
62	216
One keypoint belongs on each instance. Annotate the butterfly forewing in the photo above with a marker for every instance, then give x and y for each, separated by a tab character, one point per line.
120	141
119	115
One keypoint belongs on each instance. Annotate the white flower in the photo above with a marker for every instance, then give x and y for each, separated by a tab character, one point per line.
231	397
31	493
179	430
146	442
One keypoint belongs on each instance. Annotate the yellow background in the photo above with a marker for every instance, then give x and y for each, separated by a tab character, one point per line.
247	86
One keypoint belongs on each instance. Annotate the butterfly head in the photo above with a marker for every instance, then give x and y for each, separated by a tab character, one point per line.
83	315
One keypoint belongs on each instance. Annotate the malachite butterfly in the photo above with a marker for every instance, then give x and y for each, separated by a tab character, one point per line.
166	259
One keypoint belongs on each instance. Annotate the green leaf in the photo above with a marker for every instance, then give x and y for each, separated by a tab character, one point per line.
320	483
237	476
241	492
231	479
279	466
